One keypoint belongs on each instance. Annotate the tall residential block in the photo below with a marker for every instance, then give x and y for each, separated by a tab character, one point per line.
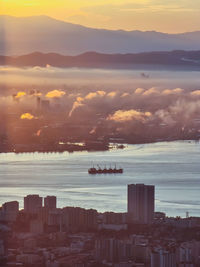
12	206
32	203
141	203
9	211
50	202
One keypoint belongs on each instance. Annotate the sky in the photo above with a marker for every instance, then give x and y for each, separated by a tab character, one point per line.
169	16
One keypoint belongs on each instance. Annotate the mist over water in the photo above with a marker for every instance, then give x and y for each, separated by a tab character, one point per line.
173	167
116	95
77	78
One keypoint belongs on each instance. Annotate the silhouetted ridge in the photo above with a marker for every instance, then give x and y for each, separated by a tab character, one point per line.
24	35
97	60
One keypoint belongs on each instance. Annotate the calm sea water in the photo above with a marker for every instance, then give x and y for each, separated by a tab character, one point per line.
173	167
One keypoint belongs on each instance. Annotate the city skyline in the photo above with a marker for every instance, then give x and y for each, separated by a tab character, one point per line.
46	236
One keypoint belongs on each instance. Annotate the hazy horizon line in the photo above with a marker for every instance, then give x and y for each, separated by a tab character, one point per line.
97	28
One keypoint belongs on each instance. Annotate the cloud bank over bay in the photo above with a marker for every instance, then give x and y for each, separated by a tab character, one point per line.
12	77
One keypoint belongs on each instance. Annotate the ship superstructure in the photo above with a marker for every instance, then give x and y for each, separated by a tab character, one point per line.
105	170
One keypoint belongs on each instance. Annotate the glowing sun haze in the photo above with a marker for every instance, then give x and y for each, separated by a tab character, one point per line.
160	15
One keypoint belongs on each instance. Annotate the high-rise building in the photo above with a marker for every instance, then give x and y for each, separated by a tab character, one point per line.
50	202
12	206
141	204
32	203
9	211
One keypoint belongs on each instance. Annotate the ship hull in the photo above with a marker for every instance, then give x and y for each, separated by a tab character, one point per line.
94	171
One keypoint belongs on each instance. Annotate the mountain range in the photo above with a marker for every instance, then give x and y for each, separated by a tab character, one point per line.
24	35
189	60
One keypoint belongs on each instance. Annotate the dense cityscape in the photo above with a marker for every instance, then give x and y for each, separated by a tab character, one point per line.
46	236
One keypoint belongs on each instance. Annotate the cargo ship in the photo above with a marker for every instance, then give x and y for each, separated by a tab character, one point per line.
99	170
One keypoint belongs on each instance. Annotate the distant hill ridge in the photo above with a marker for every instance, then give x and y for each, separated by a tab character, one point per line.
183	59
44	34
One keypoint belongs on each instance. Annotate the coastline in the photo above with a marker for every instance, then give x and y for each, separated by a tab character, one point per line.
71	148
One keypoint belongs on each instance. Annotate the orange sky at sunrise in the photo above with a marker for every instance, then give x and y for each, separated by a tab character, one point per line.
165	16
